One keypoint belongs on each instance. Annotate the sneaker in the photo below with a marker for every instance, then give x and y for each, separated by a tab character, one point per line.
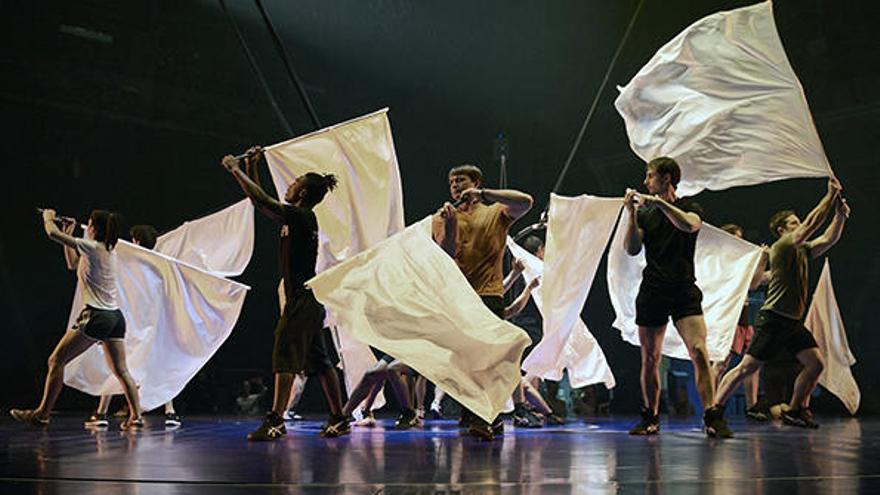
498	426
802	418
272	429
755	414
713	419
132	424
336	426
649	425
291	415
172	420
407	419
368	420
480	429
525	418
435	412
28	416
97	420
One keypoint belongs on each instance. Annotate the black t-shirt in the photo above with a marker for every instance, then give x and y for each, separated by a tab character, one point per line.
299	247
668	250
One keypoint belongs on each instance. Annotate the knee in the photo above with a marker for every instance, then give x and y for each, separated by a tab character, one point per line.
650	360
699	354
816	367
55	361
376	375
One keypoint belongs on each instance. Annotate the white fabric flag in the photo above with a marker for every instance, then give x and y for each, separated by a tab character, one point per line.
824	320
221	243
577	233
407	297
176	316
580	353
723	265
723	101
366	208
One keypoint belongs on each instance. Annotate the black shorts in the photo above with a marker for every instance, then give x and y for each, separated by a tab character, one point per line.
101	324
774	332
300	343
654	305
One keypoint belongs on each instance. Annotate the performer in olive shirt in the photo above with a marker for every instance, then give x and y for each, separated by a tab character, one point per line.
780	322
667	226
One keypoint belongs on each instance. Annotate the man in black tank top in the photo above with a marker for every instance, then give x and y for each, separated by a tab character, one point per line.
299	345
667	227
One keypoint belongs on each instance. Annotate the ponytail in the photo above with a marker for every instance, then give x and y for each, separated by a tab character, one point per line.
330	182
106	225
317	186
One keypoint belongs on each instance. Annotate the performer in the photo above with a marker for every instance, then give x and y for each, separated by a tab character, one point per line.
144	236
298	342
99	322
780	323
743	335
474	234
667	226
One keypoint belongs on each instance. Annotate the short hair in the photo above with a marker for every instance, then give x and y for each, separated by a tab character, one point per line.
473	172
317	186
732	229
778	220
145	235
532	244
664	165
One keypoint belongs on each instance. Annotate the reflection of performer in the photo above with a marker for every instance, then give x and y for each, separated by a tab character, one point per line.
780	323
667	226
100	321
299	345
144	236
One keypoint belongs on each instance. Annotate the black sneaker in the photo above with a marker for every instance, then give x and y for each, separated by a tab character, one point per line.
272	429
713	419
172	420
336	426
479	428
407	419
498	426
802	418
525	418
28	416
97	420
649	425
755	414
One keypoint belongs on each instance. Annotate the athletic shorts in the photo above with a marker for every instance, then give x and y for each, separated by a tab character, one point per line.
100	324
300	343
774	332
742	338
655	305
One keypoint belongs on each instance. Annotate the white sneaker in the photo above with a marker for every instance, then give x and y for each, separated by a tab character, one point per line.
291	416
368	420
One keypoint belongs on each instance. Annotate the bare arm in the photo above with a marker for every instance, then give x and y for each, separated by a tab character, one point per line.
265	203
516	203
817	217
521	300
71	255
54	232
761	275
513	276
444	228
632	242
685	221
829	238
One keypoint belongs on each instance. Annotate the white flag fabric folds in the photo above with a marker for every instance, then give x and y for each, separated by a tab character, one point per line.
578	230
221	243
824	320
580	353
723	266
407	297
722	99
366	207
176	316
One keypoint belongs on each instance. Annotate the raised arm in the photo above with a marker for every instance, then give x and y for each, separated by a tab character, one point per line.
71	255
823	243
817	217
54	232
265	203
444	228
516	203
632	242
521	300
518	268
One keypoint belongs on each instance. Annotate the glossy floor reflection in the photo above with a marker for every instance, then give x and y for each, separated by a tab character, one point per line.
211	455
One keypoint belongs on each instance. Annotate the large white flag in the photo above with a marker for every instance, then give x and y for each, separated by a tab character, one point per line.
366	208
176	317
221	243
580	354
407	297
578	230
824	320
723	265
722	99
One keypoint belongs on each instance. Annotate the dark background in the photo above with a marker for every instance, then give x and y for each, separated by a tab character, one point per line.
130	105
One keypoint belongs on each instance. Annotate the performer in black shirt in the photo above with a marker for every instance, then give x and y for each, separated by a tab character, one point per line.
667	226
299	346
